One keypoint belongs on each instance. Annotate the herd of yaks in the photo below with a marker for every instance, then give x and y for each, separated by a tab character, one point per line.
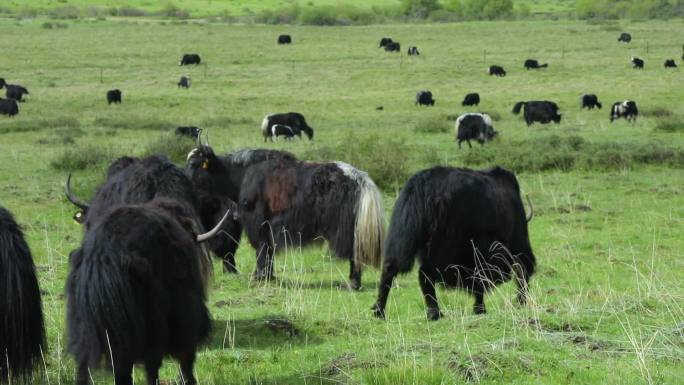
136	289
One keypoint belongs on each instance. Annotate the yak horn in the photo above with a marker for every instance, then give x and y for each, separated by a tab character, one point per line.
215	230
206	139
529	203
199	138
71	197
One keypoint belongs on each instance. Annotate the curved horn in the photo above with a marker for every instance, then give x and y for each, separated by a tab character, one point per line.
199	138
71	197
529	203
215	230
206	140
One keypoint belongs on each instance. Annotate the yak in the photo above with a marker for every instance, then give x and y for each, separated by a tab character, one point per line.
284	39
393	46
14	91
190	58
424	98
626	109
474	126
114	96
670	63
283	130
22	331
294	120
283	201
624	37
637	63
472	99
136	291
413	51
184	81
538	111
496	70
189	131
468	229
9	107
590	101
384	41
532	64
133	180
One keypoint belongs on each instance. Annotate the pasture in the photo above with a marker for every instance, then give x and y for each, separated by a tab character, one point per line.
606	302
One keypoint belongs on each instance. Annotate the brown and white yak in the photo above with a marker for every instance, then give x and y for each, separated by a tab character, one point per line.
282	200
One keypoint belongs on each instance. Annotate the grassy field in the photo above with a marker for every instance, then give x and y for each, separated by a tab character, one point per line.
242	7
606	304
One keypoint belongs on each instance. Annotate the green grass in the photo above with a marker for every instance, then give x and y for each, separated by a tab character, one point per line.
606	303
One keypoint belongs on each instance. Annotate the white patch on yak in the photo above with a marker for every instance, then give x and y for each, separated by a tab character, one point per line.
192	154
264	124
242	156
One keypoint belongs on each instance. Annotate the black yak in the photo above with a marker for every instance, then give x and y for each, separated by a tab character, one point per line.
413	51
114	96
496	71
14	91
133	180
22	332
384	41
8	107
538	111
393	46
184	81
626	109
468	229
190	58
474	126
532	64
294	120
670	63
590	101
424	98
472	99
284	39
637	63
136	291
283	201
624	37
189	131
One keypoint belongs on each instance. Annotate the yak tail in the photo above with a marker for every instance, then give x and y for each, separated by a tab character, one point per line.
22	331
405	231
102	314
518	106
369	226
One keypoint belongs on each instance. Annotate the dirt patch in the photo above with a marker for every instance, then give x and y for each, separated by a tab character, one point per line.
470	368
282	325
346	362
573	208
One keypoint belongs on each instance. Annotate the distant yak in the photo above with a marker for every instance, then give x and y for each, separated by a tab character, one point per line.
294	120
8	107
384	41
637	63
114	96
538	111
670	63
284	39
413	51
190	131
531	64
472	99
184	81
626	109
14	91
474	126
590	101
190	58
393	46
496	70
624	37
424	98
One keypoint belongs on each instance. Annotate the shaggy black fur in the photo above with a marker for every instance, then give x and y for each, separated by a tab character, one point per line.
135	289
472	99
22	334
538	111
590	101
8	107
14	91
283	202
114	96
468	229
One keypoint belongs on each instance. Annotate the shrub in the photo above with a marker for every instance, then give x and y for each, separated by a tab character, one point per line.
65	12
386	161
433	125
670	124
174	147
656	112
82	157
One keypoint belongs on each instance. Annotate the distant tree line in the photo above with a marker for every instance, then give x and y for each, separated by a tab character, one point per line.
634	9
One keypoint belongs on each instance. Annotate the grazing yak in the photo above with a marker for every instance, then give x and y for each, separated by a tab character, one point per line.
136	291
670	63
590	101
624	37
282	130
284	39
136	181
190	131
184	81
538	111
424	98
413	51
532	64
474	126
22	332
626	109
284	202
384	41
472	99
637	63
14	91
114	96
294	120
496	71
467	228
8	107
393	46
190	58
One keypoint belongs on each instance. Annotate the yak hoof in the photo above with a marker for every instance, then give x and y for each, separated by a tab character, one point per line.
378	311
229	268
261	276
352	285
433	314
479	309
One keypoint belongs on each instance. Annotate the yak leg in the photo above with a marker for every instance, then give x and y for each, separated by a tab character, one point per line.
469	145
187	364
479	306
354	274
427	286
123	373
82	375
386	280
152	366
522	279
264	267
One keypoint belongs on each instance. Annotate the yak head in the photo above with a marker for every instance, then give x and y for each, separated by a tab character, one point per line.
210	174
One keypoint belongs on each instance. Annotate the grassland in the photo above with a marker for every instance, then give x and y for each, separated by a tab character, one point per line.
607	301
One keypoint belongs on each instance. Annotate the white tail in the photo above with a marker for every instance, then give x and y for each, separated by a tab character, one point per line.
369	229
